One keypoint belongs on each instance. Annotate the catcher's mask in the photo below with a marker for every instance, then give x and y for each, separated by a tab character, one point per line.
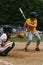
33	14
7	28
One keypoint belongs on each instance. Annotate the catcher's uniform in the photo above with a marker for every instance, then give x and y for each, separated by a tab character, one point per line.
7	47
31	30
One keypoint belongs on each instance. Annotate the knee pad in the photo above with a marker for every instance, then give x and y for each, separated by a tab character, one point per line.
13	44
8	49
3	54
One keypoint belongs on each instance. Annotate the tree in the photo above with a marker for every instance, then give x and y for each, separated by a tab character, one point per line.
10	14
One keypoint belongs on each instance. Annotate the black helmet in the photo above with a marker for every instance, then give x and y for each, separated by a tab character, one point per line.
7	28
33	14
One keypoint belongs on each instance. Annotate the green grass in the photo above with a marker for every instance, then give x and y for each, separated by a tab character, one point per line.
20	39
26	38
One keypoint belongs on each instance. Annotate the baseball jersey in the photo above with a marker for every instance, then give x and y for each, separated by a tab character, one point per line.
3	38
34	22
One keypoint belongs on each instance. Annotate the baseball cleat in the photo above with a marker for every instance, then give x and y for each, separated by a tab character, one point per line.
37	49
25	49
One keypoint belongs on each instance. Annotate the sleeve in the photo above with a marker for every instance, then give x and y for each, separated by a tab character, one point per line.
28	21
4	37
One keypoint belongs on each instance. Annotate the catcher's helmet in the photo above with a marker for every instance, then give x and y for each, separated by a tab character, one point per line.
7	28
33	14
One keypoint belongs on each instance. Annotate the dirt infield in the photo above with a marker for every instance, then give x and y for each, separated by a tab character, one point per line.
19	57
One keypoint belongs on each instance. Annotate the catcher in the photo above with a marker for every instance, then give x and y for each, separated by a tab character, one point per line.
5	45
31	24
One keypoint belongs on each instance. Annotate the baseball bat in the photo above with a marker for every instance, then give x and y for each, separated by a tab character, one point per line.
22	13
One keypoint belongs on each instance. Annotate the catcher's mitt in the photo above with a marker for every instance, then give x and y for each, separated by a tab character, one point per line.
21	35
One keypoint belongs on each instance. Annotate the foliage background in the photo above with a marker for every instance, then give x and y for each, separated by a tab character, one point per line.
9	11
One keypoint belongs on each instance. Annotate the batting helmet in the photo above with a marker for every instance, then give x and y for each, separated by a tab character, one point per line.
7	28
33	14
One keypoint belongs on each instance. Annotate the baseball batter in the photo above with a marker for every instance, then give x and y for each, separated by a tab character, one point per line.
5	45
31	25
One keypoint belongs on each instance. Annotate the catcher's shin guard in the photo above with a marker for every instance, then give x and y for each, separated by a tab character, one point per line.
7	50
